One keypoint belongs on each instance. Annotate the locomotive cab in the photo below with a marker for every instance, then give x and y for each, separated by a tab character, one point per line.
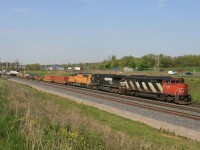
176	88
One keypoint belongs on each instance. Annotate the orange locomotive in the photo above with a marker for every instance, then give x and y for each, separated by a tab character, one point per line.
82	80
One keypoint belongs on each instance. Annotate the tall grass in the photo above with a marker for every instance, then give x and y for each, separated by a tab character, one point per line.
33	120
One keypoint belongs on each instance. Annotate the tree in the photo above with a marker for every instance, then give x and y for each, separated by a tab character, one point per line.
114	64
107	65
150	59
113	58
142	65
165	61
132	64
33	66
124	61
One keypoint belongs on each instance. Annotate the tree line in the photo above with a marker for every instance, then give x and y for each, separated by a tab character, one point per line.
145	62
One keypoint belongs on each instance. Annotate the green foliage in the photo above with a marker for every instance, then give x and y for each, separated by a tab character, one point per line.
142	65
194	87
187	60
165	61
132	64
10	137
33	67
151	60
114	64
124	61
107	65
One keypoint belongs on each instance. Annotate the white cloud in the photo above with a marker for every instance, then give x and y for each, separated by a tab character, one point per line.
162	3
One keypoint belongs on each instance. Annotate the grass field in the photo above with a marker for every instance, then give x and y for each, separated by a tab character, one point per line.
30	119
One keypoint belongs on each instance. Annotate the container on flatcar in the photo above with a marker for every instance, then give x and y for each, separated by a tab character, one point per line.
48	78
38	78
60	79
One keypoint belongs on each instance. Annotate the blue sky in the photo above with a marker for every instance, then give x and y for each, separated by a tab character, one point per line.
74	31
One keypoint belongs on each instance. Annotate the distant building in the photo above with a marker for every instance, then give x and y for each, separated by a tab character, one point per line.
58	67
69	68
127	69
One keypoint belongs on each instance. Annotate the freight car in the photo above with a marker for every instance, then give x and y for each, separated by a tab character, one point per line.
61	79
48	78
56	79
157	87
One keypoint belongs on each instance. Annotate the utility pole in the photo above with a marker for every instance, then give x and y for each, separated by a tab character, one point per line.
24	69
2	71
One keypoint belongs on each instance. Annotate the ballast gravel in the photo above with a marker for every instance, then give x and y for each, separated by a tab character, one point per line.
180	126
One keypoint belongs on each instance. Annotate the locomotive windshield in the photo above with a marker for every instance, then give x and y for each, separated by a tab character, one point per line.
177	80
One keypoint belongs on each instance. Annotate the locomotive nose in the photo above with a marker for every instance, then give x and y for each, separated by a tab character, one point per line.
183	89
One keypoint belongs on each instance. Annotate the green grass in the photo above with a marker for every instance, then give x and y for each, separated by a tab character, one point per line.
194	87
25	124
54	121
10	138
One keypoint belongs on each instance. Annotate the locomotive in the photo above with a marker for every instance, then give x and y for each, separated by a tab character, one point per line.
163	88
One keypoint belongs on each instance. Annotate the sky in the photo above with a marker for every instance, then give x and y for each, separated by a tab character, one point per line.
80	31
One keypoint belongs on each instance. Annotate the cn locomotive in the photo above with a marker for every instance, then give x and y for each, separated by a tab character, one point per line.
162	88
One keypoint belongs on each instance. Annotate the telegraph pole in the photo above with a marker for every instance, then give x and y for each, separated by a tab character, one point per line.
24	69
1	68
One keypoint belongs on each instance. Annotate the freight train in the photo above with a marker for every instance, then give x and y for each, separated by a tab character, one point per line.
162	88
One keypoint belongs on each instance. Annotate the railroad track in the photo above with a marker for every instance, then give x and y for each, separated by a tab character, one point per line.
188	112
